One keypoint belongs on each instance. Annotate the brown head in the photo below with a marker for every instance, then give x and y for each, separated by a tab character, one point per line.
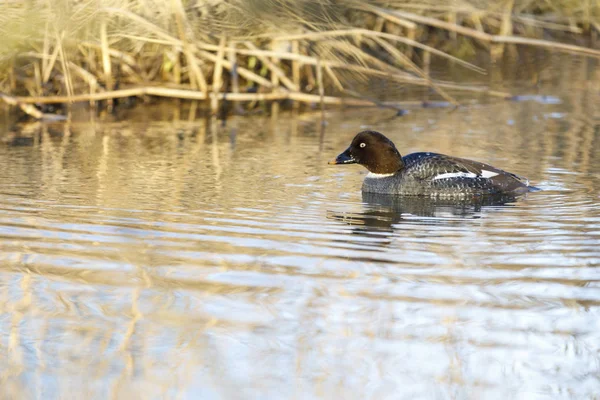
373	151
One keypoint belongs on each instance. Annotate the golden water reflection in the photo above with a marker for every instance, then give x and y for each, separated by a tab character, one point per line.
172	258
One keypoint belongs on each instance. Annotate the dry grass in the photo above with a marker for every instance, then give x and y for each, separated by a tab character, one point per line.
89	50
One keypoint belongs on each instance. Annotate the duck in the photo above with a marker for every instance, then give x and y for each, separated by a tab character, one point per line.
425	173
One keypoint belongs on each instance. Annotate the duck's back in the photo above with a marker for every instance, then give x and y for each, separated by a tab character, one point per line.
439	175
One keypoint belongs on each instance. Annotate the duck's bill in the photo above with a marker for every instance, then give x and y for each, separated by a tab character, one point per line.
344	158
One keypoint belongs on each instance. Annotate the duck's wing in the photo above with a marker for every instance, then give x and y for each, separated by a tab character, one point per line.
439	167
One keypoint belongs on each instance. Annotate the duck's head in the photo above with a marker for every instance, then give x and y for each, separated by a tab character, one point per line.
373	151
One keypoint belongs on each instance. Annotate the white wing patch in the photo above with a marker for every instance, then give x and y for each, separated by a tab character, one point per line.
484	174
455	175
488	174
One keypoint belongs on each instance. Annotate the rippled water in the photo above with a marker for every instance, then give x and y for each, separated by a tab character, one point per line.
166	258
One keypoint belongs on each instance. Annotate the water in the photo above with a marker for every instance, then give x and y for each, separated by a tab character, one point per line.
166	258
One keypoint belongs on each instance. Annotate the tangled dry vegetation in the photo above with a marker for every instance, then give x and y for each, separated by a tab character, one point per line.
245	51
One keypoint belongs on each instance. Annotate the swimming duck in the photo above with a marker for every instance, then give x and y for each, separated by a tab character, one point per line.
425	174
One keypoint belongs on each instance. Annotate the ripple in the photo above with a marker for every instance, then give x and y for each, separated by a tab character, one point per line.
128	259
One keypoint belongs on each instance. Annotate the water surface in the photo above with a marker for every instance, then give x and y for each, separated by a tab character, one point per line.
151	256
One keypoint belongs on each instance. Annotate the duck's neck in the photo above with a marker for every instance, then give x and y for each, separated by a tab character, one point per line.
387	166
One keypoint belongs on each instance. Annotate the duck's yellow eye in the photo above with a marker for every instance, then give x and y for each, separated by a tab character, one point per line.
363	145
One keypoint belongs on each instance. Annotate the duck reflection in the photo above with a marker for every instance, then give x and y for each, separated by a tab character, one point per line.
382	211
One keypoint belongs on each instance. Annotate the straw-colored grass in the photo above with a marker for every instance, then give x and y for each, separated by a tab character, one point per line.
305	51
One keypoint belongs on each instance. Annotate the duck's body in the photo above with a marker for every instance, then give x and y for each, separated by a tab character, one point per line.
439	175
425	174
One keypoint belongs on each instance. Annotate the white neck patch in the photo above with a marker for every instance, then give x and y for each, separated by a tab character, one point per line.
379	176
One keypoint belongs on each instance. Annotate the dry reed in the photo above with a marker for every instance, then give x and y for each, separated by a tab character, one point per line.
265	50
